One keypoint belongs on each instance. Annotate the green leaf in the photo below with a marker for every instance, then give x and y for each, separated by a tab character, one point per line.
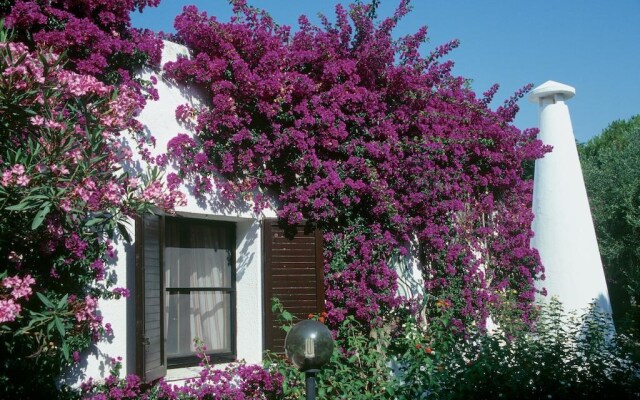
50	326
65	350
276	306
45	300
37	197
59	326
41	215
28	202
94	221
62	304
123	231
287	316
23	205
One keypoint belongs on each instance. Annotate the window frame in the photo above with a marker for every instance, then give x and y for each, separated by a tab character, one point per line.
214	357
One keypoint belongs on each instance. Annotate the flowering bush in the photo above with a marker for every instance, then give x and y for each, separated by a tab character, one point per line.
236	382
363	137
564	356
67	184
95	35
67	179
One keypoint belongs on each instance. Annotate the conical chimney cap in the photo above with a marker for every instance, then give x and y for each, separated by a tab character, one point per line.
550	88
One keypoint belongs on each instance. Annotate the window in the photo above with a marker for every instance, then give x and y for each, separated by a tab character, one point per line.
199	282
185	290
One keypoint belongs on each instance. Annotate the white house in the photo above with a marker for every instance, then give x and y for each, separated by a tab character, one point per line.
208	272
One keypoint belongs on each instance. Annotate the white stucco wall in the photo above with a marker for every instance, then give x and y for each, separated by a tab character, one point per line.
158	117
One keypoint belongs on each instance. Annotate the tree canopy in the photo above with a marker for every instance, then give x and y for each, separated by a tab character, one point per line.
610	164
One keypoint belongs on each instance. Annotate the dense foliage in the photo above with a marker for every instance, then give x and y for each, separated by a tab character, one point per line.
95	35
363	137
67	184
610	164
566	357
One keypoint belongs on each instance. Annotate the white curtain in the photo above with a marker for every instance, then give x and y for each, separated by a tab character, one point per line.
197	256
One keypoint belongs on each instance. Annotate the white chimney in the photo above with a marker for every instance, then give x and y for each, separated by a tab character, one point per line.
564	232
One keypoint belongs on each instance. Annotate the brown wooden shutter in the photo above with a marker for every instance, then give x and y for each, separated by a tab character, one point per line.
151	361
293	272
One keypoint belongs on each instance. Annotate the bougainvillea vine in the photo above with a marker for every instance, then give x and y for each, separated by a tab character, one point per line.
362	136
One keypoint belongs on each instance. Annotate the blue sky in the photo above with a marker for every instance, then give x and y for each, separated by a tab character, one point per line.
592	45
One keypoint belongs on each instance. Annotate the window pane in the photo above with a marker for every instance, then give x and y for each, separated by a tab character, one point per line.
198	255
203	315
197	267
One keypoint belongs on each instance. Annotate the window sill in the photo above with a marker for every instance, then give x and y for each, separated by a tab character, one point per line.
180	374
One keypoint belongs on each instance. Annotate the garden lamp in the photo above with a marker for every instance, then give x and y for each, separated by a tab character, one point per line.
309	346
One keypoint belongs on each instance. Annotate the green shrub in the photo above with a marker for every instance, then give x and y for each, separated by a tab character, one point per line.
563	356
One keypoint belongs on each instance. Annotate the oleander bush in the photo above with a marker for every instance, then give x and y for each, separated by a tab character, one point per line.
68	98
67	185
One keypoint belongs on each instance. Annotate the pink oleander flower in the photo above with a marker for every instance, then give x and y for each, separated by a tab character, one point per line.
75	155
59	169
80	85
7	178
21	287
9	310
166	198
54	125
23	180
65	205
18	169
86	313
112	193
133	183
37	120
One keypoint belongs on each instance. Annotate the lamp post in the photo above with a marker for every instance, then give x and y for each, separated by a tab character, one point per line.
309	346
